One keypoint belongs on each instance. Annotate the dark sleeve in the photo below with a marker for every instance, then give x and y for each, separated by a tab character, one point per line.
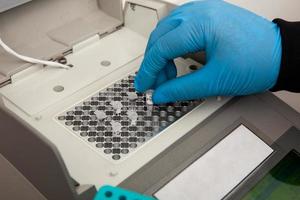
289	76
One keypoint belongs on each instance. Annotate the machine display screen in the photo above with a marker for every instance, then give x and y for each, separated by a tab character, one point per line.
282	182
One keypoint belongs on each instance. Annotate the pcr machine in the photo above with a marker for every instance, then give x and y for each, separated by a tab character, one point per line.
66	133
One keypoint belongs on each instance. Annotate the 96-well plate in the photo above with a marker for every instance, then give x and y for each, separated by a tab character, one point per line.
116	121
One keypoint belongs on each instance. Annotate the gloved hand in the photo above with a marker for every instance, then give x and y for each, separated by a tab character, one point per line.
243	53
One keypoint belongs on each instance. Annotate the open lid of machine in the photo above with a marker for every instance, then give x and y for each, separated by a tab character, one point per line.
49	29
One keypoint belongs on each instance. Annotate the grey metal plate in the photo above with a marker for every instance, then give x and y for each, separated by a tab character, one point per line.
117	120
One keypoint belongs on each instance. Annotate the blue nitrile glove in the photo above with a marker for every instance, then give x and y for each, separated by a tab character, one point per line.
243	53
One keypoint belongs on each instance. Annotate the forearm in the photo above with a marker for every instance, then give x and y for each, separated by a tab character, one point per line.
290	62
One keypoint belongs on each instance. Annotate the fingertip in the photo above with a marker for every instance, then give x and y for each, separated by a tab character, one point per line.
143	80
159	98
138	85
171	70
167	92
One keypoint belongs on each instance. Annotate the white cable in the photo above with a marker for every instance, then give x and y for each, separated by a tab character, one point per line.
32	60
